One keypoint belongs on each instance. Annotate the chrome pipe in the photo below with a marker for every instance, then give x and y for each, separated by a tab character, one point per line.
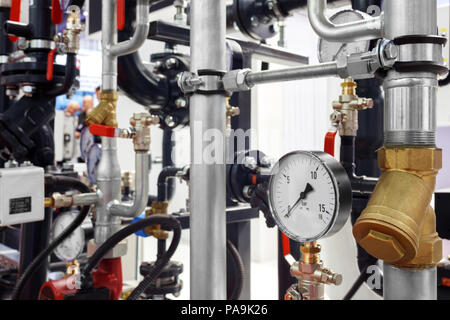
348	32
140	32
410	97
208	178
109	39
297	73
109	182
409	284
85	199
141	190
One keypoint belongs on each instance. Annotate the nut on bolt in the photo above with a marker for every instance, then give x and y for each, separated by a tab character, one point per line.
235	80
390	51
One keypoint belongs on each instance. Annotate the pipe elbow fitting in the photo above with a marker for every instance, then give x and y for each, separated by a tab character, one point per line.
368	29
105	112
398	225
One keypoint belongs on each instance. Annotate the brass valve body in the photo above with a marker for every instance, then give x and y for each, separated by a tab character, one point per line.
105	112
155	230
398	225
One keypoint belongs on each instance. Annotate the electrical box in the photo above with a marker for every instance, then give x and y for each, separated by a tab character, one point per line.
21	195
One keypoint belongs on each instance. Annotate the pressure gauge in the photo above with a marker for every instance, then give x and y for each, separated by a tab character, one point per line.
73	246
310	195
331	51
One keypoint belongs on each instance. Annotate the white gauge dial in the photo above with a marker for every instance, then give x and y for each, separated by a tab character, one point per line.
73	246
309	195
331	51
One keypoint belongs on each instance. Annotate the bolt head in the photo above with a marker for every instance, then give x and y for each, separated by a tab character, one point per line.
250	163
181	102
254	21
169	121
171	63
390	51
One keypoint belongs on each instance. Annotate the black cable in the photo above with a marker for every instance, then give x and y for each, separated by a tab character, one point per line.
167	223
60	181
239	274
162	261
359	281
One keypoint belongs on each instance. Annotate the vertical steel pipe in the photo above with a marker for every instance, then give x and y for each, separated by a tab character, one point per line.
109	183
109	39
410	97
409	284
207	186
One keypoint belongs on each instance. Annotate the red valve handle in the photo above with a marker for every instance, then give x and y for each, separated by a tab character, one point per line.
120	14
329	142
57	14
103	131
14	15
50	62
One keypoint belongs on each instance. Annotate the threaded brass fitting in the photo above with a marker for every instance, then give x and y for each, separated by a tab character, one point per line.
310	252
105	112
155	230
349	87
398	225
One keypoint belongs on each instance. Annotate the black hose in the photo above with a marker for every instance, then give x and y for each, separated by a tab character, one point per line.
239	272
167	223
60	181
69	78
359	281
165	183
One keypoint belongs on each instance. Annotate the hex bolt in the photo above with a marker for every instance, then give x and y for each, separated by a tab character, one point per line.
250	163
390	51
171	63
169	121
181	102
254	21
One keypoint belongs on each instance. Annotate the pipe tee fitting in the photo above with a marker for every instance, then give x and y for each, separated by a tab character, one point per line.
399	225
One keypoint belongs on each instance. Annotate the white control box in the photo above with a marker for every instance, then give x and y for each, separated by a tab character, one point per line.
21	195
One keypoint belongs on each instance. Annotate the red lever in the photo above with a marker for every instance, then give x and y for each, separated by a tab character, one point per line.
120	14
50	62
285	243
101	130
329	142
15	15
57	14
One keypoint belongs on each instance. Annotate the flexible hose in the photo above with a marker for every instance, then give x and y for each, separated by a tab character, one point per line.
31	269
167	223
239	274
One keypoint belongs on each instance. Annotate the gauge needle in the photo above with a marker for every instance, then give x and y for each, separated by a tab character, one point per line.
339	51
303	195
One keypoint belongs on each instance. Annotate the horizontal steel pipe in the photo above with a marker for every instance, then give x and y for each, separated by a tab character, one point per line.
298	73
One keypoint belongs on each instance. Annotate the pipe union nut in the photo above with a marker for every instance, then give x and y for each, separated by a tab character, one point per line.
235	80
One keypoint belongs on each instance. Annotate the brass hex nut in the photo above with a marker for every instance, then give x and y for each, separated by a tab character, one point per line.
429	253
410	159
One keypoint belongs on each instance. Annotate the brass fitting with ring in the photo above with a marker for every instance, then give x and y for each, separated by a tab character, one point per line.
398	224
158	207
